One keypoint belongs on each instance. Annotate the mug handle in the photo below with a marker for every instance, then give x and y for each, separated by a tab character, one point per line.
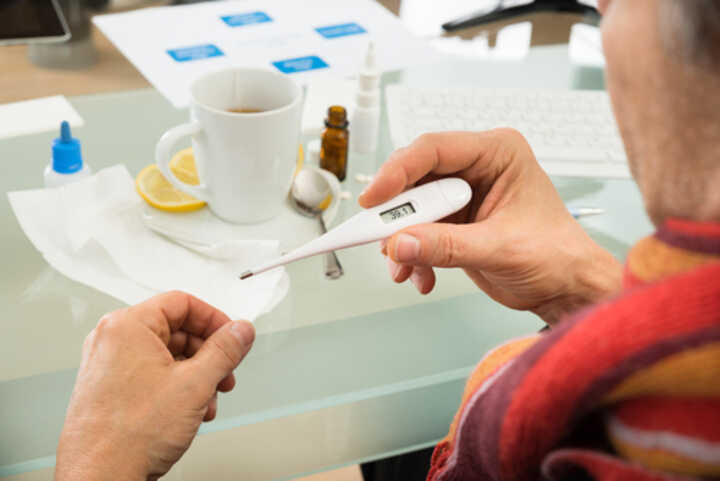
163	155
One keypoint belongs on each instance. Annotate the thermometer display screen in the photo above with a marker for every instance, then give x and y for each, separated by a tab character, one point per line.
396	213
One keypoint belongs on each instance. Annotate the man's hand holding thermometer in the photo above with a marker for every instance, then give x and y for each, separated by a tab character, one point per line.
427	203
515	239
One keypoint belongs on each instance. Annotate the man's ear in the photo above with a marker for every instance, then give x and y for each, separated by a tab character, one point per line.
603	6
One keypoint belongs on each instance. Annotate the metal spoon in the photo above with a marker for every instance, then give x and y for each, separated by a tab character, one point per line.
309	196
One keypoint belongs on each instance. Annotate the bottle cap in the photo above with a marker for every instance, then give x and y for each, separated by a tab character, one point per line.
369	77
368	99
368	83
66	155
337	117
370	60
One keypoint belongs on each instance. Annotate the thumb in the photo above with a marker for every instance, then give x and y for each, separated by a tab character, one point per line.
441	245
221	353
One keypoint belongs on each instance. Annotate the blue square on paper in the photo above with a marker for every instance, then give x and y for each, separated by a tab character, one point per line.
195	52
242	19
341	30
300	64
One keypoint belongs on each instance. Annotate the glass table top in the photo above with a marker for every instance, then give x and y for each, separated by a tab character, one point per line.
359	368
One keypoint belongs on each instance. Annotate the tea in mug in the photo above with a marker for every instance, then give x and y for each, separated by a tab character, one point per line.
243	110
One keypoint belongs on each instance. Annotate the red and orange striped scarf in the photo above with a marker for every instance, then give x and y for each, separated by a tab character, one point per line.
629	389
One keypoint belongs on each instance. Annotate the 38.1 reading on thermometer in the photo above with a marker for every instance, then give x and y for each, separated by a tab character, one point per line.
398	212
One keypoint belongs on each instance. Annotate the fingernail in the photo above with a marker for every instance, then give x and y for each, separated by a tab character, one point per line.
407	248
393	267
416	280
364	191
243	332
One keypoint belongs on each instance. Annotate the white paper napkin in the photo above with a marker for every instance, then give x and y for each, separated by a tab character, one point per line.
36	115
92	232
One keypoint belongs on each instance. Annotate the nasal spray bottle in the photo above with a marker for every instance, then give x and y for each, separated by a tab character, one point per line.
365	122
67	163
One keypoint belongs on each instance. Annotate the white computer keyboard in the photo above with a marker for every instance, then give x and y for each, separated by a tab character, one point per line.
572	132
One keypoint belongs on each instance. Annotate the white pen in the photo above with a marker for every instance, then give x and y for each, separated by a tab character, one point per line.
579	212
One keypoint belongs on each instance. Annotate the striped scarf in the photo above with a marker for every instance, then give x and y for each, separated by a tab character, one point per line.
626	390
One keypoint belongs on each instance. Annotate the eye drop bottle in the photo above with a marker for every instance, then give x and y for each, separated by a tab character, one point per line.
67	164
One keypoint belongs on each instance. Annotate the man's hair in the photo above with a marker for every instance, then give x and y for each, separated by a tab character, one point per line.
691	29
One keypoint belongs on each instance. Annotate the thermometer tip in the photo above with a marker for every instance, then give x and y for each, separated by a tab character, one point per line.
245	275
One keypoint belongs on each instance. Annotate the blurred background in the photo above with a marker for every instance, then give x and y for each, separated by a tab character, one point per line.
89	63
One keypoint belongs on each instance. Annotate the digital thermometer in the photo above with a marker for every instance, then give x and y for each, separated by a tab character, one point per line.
426	203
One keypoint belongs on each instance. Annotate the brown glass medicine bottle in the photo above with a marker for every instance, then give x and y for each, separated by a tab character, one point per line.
334	145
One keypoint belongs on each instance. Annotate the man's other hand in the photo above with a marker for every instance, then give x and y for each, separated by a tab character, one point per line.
149	377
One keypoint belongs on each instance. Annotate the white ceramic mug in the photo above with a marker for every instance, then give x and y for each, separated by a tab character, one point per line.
245	161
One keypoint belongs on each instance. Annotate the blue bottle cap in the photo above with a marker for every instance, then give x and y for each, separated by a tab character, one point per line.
66	155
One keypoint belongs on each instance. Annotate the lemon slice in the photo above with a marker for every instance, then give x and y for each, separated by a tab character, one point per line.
183	166
159	193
